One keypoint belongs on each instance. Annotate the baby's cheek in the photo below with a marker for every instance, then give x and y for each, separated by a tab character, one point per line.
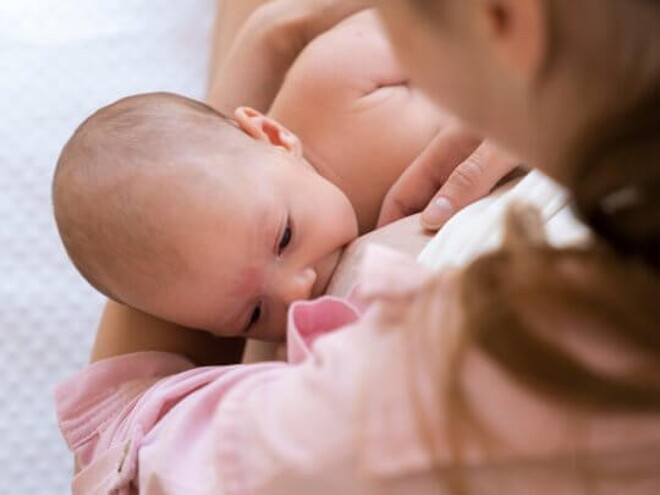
249	279
340	230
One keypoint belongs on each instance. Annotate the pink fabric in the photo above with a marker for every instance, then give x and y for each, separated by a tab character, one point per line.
309	320
340	418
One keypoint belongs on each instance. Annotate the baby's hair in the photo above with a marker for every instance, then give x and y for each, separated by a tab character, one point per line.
99	208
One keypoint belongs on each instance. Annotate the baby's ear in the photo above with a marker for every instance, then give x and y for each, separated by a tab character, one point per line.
263	128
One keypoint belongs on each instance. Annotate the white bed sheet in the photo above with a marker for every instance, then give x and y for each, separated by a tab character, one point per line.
60	60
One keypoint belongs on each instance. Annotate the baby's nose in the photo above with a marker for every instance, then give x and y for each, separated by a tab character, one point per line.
298	285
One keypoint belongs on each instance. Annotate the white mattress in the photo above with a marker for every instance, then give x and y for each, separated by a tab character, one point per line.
60	60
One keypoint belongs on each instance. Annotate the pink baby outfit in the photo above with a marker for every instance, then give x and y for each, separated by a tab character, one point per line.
338	419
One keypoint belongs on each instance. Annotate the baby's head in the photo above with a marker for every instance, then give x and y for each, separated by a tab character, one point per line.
216	224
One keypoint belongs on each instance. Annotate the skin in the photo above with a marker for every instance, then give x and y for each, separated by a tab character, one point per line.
348	100
113	336
230	17
379	125
406	236
275	237
259	45
236	280
496	51
257	63
124	329
249	68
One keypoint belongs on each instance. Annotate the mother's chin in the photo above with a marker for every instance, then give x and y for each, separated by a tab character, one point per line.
405	235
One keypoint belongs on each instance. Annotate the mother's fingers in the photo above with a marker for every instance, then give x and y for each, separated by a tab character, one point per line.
420	182
470	181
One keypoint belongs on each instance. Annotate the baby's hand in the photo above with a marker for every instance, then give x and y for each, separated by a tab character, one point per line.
456	169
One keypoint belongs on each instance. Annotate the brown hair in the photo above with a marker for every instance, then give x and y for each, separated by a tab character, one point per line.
514	301
520	306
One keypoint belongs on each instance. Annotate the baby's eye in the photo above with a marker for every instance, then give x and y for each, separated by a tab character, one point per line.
254	317
286	238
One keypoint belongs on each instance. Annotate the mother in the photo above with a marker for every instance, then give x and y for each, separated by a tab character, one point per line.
532	370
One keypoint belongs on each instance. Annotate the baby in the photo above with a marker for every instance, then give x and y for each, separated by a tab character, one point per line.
219	224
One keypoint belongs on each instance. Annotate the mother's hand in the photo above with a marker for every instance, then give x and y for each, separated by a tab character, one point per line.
405	235
456	169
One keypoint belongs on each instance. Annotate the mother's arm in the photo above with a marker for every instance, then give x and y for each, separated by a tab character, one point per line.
230	17
254	59
124	330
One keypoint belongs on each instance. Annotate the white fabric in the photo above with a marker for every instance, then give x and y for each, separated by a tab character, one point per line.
479	227
59	61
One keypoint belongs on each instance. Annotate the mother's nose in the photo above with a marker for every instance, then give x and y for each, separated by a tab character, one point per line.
296	285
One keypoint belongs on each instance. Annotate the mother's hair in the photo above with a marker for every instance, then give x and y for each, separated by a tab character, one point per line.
617	183
523	304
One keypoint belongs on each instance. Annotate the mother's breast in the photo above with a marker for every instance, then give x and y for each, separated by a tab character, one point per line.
405	236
